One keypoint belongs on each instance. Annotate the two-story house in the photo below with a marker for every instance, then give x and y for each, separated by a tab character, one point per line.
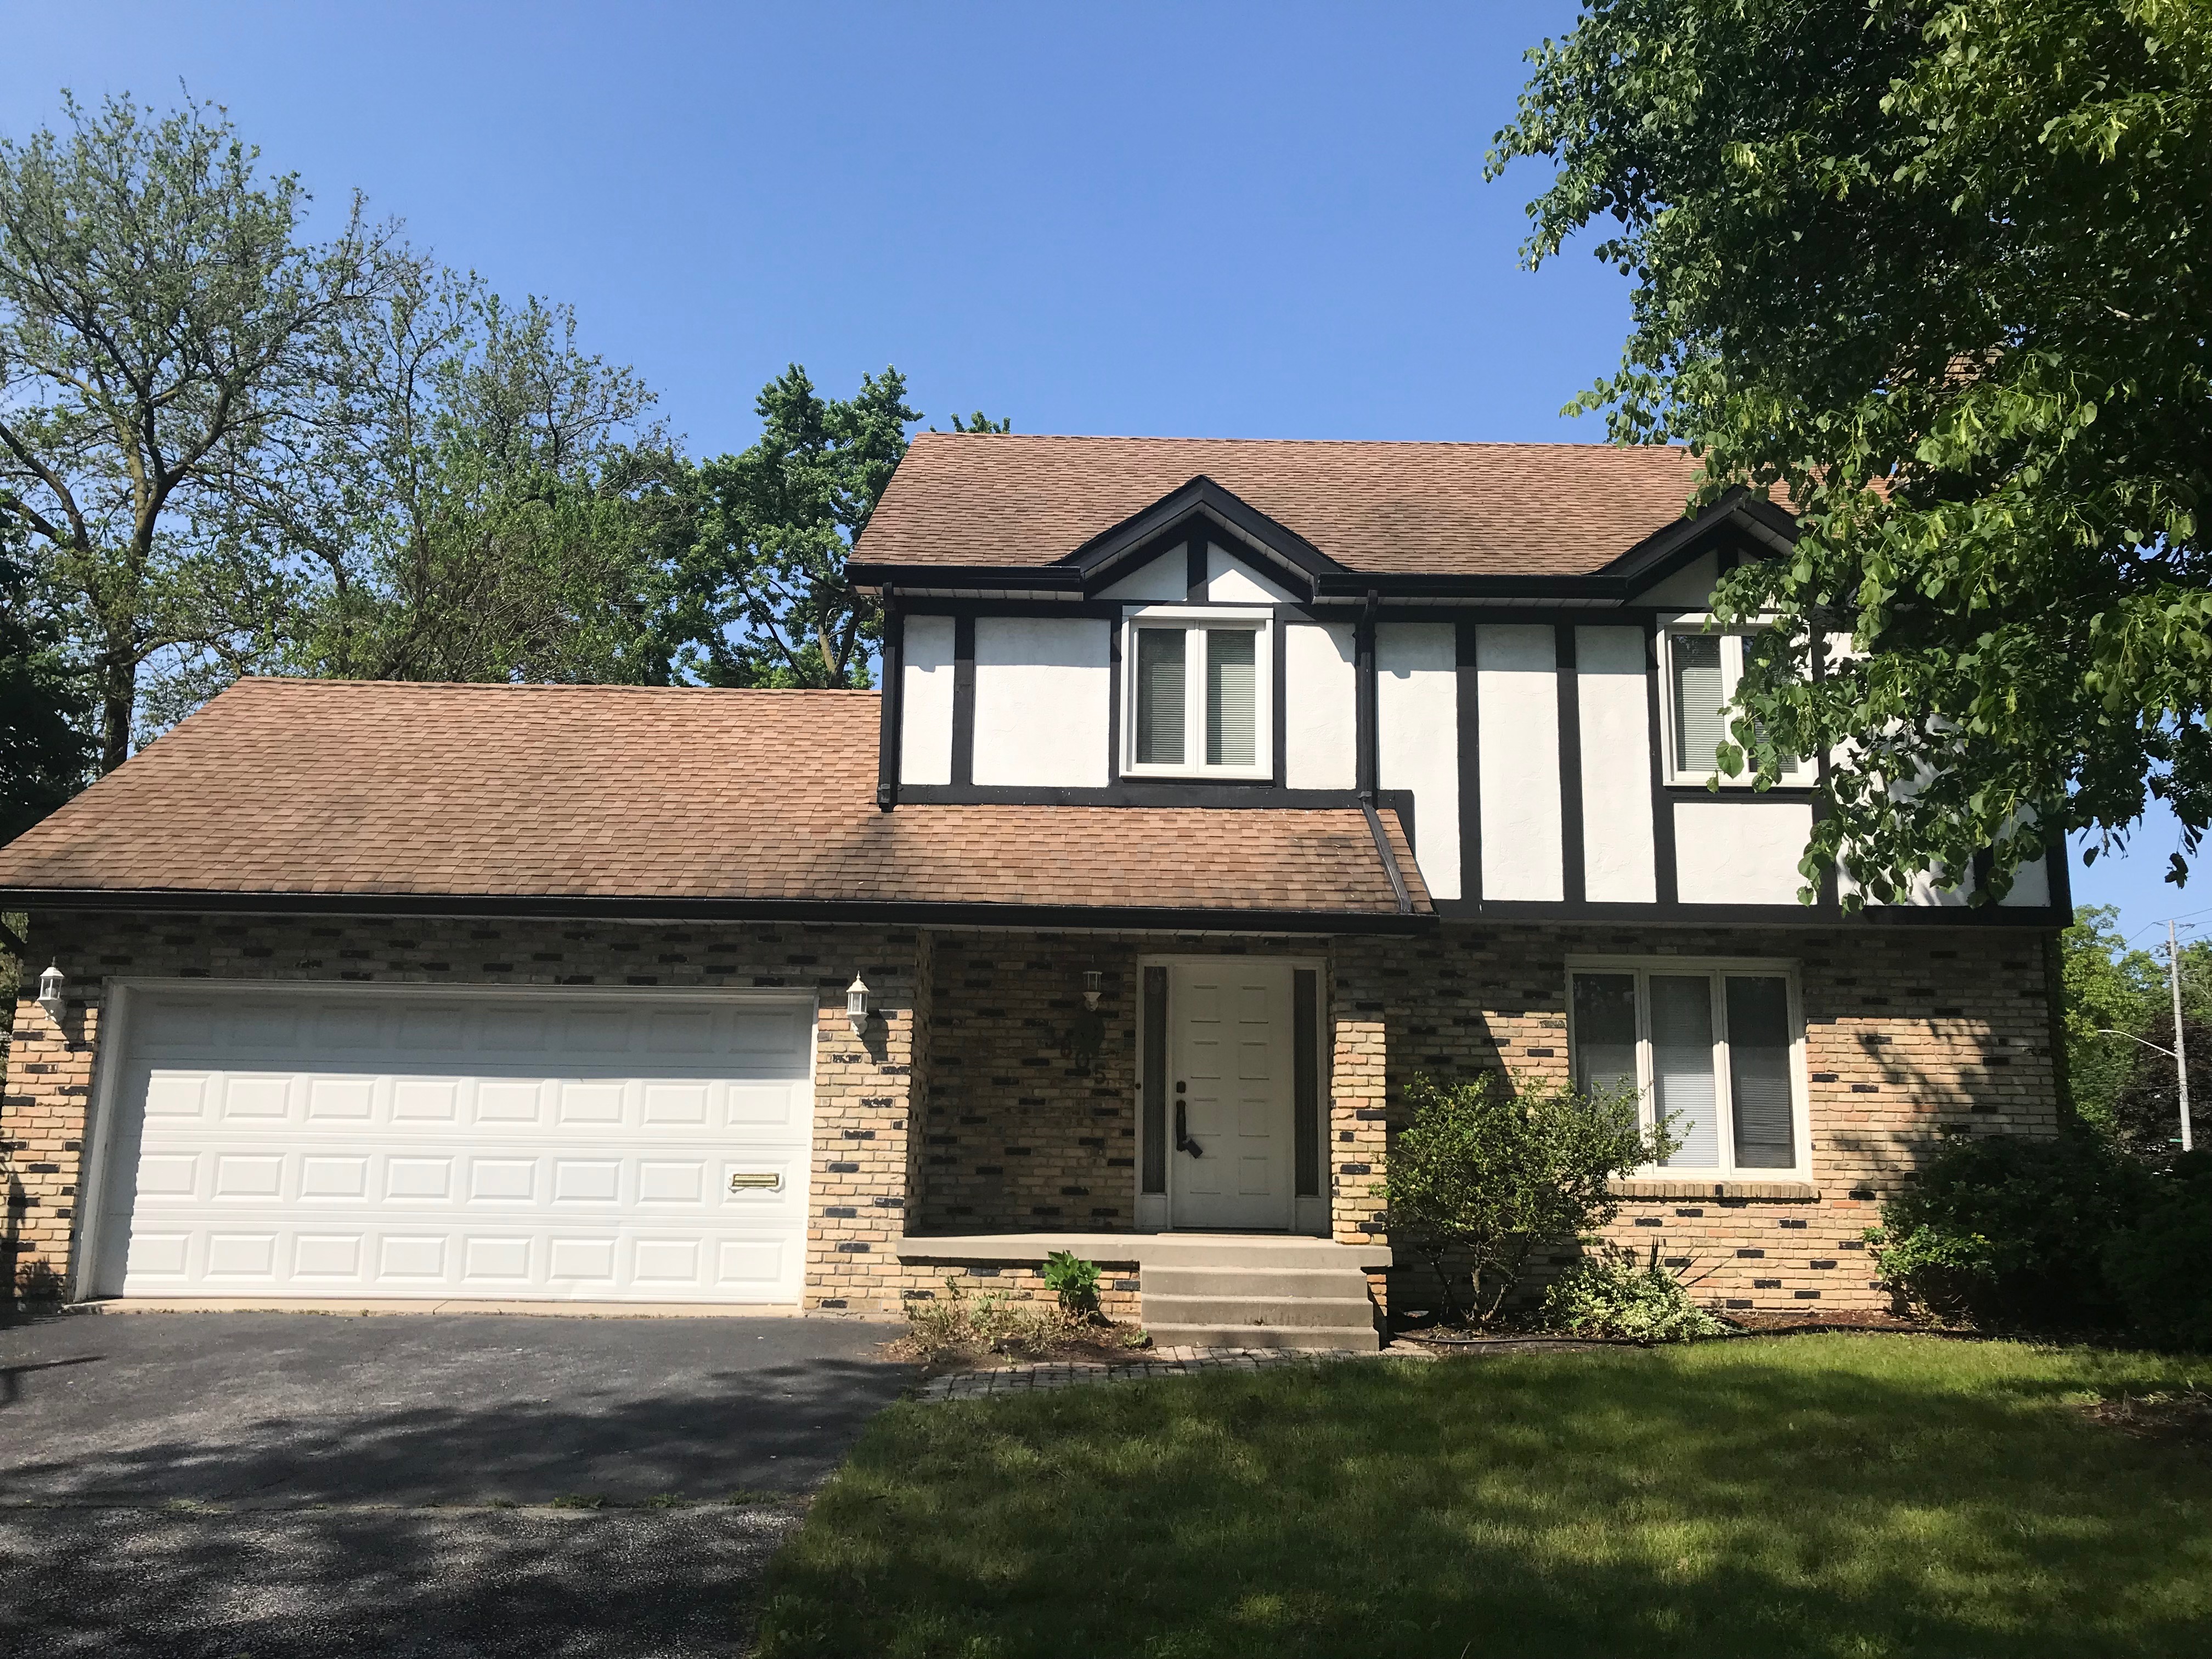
1214	789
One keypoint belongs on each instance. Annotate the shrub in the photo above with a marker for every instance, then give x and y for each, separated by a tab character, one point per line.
1486	1175
2008	1230
2157	1264
1074	1280
1610	1296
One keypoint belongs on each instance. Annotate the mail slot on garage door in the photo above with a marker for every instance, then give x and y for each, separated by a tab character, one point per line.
746	1181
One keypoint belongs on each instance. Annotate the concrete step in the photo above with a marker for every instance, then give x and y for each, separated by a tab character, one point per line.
1196	1250
1296	1312
1359	1339
1238	1280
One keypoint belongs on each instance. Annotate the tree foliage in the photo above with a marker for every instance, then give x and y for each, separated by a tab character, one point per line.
1482	1174
764	598
162	324
2119	999
1940	272
45	754
482	500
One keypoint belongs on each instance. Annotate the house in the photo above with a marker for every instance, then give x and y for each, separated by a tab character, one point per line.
1215	789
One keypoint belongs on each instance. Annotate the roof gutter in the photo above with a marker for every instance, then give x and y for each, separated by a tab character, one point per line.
627	909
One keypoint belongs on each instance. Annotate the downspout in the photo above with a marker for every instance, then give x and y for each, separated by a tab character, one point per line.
1389	857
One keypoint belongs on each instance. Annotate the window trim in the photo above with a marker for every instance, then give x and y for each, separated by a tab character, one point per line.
1260	621
1718	969
1800	774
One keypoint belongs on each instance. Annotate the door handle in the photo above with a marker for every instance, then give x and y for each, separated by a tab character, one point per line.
1183	1142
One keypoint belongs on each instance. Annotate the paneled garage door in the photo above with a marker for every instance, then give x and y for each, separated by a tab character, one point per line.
363	1143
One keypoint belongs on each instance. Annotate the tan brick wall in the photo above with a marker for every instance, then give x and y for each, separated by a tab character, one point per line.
1911	1031
860	1084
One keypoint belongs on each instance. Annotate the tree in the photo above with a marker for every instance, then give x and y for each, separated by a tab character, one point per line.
1481	1176
764	596
160	326
481	500
43	754
1940	272
2117	1003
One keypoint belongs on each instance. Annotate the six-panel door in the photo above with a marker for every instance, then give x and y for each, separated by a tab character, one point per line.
1230	1111
531	1146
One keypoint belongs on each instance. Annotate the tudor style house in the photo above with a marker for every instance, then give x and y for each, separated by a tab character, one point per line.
1214	790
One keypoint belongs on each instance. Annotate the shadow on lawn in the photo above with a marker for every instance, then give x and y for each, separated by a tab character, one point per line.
1829	1496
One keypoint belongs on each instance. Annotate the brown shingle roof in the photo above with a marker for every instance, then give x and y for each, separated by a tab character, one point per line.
1409	508
302	786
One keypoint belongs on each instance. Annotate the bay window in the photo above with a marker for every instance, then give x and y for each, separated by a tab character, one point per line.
1712	1050
1197	701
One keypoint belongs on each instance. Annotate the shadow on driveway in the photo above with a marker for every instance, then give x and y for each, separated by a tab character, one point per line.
294	1484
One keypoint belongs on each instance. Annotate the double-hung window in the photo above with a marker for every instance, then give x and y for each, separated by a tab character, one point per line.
1700	672
1197	701
1714	1050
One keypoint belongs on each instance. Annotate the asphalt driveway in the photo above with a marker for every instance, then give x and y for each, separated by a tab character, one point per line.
280	1484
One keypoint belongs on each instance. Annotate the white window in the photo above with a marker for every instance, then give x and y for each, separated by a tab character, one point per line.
1716	1049
1698	674
1198	702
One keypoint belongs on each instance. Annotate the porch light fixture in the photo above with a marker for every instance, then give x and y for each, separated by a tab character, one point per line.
49	994
1093	984
856	1005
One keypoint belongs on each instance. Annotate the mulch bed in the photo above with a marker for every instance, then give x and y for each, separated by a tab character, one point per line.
1097	1346
1429	1333
2185	1418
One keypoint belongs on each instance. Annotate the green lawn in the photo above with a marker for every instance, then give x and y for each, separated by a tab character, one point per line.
1812	1495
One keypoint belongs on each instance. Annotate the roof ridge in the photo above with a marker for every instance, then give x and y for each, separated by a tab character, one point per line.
306	681
1332	443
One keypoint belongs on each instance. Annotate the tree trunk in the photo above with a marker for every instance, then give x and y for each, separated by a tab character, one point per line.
118	702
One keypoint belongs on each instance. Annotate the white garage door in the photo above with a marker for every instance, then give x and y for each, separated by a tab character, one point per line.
360	1143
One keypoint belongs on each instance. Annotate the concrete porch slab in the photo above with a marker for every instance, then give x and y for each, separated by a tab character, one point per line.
1148	1250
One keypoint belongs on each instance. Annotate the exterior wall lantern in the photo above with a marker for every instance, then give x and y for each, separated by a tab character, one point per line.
856	1005
49	994
1094	984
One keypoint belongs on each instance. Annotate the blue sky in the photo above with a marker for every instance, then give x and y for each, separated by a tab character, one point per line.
1236	219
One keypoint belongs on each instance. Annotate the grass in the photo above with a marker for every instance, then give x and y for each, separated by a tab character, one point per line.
1810	1495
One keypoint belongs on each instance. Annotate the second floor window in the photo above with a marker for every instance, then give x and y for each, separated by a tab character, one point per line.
1198	694
1701	671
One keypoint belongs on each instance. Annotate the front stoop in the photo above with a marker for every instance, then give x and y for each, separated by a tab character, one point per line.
1236	1305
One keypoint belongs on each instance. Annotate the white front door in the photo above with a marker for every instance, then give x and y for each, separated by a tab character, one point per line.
532	1144
1231	1094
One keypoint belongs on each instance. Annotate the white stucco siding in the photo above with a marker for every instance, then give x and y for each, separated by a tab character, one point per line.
1690	589
1230	580
1740	852
1320	706
1613	696
925	701
1417	740
2030	885
1042	691
1517	694
1165	580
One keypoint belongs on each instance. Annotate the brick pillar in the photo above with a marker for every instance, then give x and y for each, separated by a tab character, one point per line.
1357	1106
42	1135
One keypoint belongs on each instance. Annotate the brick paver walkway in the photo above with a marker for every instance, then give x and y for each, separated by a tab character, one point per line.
1158	1362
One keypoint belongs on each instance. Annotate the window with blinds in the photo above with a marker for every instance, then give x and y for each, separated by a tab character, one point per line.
1700	728
1233	693
1702	672
1198	700
1159	723
1712	1052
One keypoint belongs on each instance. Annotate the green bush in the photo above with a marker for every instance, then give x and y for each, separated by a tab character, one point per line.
2159	1264
1610	1296
2004	1230
1482	1175
1074	1280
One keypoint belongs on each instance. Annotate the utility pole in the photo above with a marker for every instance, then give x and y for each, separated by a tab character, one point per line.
2180	1044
